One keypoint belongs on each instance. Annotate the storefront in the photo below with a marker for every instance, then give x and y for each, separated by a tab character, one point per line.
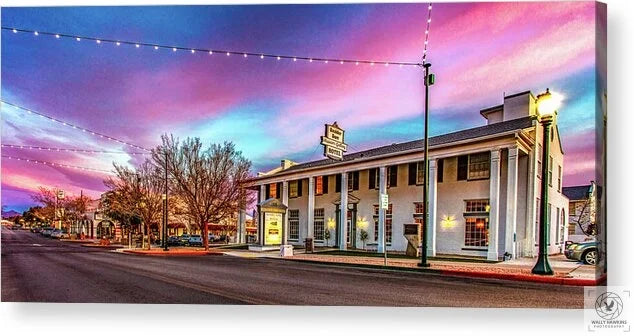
484	185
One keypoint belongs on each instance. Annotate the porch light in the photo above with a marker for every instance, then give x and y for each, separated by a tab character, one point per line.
362	223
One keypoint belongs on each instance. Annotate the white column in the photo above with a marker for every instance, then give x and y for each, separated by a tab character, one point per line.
343	213
494	202
511	203
285	202
310	231
431	208
261	216
382	190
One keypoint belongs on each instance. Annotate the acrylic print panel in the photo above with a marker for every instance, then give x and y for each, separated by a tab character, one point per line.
172	154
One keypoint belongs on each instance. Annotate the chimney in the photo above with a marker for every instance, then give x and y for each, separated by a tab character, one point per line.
287	164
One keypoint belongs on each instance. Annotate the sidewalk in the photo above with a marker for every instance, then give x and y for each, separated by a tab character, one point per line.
566	272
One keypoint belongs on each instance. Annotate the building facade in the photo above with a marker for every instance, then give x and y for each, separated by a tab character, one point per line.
483	191
583	211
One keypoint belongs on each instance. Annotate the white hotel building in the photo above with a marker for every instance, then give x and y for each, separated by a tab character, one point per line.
484	190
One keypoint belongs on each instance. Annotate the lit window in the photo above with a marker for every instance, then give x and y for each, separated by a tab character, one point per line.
293	189
476	223
476	232
319	185
273	190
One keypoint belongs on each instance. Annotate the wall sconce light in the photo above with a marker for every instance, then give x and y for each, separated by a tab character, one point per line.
331	223
362	223
448	222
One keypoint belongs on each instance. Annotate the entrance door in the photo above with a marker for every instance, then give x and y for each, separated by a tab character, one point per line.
351	222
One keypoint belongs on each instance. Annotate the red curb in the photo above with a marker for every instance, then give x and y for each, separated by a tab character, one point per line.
529	278
172	254
102	246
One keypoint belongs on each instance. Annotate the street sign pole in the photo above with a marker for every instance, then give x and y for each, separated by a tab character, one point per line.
384	206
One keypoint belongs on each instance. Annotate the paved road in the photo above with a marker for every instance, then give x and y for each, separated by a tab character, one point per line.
38	269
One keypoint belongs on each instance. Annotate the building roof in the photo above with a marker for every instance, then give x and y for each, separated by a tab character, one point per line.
396	148
576	192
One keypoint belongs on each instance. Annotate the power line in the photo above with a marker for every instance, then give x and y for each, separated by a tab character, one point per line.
53	164
242	54
85	130
74	150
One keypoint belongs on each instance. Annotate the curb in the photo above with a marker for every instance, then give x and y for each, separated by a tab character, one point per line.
110	247
163	254
466	274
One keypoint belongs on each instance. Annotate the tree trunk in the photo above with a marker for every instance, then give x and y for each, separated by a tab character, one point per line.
149	235
205	236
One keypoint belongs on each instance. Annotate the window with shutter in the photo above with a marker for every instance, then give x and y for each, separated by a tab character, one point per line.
372	181
440	170
392	172
463	167
411	173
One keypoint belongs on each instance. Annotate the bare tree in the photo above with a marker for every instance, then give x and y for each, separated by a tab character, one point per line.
138	192
207	180
586	218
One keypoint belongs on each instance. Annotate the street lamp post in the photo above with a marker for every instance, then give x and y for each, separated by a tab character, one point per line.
546	108
429	80
165	210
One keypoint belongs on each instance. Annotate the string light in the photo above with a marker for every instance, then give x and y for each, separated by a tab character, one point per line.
138	44
72	150
54	164
425	46
41	115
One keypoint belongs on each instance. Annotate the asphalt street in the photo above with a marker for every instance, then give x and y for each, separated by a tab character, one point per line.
38	269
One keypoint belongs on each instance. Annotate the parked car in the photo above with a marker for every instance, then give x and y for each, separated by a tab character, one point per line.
57	234
184	240
173	241
585	252
36	229
46	232
212	237
195	240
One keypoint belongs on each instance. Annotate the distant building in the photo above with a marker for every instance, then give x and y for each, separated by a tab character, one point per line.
583	211
484	190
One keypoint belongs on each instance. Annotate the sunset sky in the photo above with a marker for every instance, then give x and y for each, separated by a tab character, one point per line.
276	109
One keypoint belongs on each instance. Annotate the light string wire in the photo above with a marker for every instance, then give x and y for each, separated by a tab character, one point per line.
85	130
54	164
74	150
427	33
243	54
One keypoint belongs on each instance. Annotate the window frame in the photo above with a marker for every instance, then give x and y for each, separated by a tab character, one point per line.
293	222
483	162
388	223
319	181
294	183
319	217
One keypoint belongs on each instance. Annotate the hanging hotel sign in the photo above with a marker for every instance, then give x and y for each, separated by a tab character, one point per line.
334	147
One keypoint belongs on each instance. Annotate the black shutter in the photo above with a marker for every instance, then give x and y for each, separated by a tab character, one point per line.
412	173
463	167
279	190
393	173
325	184
338	183
372	179
299	188
267	194
440	169
355	180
